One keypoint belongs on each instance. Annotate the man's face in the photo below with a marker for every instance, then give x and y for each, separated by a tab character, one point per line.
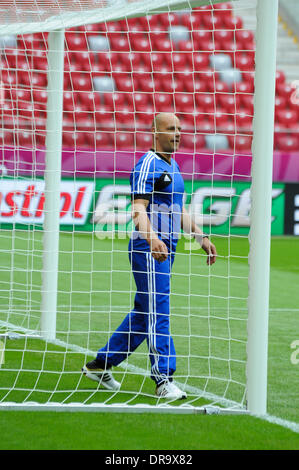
168	135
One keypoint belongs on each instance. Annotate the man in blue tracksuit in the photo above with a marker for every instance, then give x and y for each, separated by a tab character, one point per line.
157	190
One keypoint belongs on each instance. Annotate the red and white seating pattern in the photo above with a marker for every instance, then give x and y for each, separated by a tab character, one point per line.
147	72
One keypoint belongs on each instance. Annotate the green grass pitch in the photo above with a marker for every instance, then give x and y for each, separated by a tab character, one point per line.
209	313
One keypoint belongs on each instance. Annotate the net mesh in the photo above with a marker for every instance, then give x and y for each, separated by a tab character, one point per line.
197	62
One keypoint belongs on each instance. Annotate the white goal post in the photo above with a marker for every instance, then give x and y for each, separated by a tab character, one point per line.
54	18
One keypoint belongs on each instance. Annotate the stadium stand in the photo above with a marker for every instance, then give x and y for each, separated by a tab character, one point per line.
117	75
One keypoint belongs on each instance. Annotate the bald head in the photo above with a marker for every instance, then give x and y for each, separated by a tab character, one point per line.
166	130
164	119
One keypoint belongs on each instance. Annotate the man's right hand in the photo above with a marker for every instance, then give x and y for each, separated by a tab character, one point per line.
159	250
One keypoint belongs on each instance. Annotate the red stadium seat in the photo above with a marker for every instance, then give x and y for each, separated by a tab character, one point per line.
40	137
186	77
171	85
200	35
20	94
112	27
243	87
155	34
139	43
113	101
168	19
244	37
144	83
205	102
91	29
233	22
192	82
177	61
119	43
81	81
223	36
280	77
86	59
198	62
124	83
280	103
154	61
7	111
97	140
205	126
248	76
229	47
221	120
208	46
25	139
140	101
287	117
103	140
294	102
162	45
130	60
227	102
7	138
91	100
104	119
124	119
191	141
80	112
163	102
143	141
72	139
247	102
223	10
40	96
163	74
75	42
284	89
8	77
190	21
149	22
210	21
124	141
287	143
240	142
209	77
189	121
143	120
106	62
244	62
39	80
40	61
217	86
26	109
185	45
184	102
68	101
243	122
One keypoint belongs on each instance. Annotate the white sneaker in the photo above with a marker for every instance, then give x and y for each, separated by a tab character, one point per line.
103	376
170	390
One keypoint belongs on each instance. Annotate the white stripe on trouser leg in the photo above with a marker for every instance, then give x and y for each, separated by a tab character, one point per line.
154	317
152	320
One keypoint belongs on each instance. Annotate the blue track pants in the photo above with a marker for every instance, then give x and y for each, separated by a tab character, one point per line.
148	320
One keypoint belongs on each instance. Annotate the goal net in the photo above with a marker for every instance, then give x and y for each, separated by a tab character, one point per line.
80	85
